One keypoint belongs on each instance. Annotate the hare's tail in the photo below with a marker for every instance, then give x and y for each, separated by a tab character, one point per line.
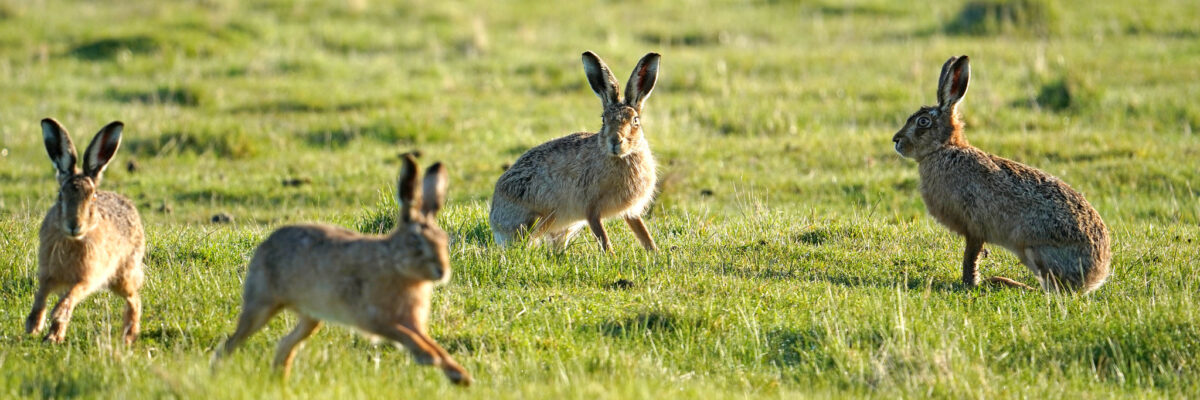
1010	283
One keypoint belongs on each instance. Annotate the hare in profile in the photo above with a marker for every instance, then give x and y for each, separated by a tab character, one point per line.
379	284
556	187
90	239
985	198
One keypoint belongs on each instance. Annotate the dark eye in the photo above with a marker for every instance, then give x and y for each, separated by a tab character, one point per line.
924	122
636	121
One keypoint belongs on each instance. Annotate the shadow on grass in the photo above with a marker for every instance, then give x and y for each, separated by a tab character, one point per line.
165	336
109	48
646	322
78	383
162	95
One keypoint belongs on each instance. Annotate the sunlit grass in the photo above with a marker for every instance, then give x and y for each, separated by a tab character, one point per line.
797	258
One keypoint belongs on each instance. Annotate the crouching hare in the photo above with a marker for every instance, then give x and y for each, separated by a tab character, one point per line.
90	239
985	198
378	284
555	188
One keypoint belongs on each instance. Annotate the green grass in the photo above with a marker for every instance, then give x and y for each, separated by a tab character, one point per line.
797	258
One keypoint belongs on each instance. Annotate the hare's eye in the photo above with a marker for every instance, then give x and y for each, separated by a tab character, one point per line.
924	122
637	122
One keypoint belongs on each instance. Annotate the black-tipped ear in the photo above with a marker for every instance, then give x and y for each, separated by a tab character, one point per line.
956	74
942	79
102	149
641	82
406	188
59	147
434	191
601	78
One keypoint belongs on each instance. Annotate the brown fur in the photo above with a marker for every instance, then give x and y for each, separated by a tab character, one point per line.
90	239
986	198
379	284
584	178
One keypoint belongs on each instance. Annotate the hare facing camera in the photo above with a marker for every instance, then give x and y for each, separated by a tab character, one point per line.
90	239
554	189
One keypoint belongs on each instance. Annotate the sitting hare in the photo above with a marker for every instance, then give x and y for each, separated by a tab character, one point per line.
378	284
90	239
556	187
985	198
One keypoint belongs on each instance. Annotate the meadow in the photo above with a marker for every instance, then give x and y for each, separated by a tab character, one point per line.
796	257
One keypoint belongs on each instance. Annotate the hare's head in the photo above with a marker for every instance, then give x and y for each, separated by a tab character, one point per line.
932	128
76	188
418	229
622	130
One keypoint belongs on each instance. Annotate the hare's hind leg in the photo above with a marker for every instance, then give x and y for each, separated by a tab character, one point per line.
562	237
1061	268
254	317
286	352
639	230
509	221
37	315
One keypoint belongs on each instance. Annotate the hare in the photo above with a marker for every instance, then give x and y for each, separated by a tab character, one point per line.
554	188
378	284
985	198
90	239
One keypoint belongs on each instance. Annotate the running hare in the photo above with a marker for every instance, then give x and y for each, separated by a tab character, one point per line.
556	187
90	239
985	198
378	284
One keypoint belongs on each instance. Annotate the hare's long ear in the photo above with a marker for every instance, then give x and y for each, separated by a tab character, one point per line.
434	191
102	149
406	189
953	86
641	82
59	147
942	80
601	78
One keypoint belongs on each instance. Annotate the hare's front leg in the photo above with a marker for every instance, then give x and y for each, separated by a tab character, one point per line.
133	316
61	315
37	315
597	226
970	269
456	373
643	235
410	339
424	350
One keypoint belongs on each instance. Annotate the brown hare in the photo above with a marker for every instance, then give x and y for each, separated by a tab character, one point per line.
556	187
985	198
379	284
90	239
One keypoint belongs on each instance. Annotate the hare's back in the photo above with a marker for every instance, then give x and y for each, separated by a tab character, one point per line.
547	168
318	270
122	215
306	241
1049	209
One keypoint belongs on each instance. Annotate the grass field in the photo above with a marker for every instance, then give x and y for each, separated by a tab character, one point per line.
797	258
